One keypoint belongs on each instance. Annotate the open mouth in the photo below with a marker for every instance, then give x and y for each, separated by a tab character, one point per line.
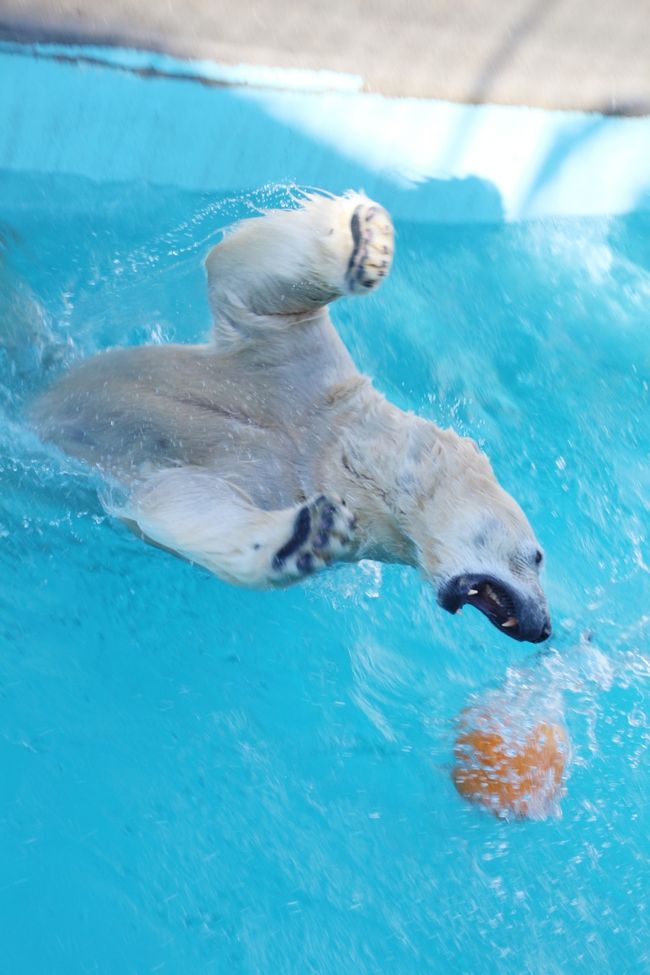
504	606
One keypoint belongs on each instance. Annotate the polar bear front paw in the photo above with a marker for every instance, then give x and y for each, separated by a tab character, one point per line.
373	245
322	532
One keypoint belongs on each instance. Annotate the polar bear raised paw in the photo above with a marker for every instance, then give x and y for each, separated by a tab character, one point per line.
373	244
323	531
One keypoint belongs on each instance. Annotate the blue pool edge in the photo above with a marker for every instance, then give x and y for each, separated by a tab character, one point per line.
116	115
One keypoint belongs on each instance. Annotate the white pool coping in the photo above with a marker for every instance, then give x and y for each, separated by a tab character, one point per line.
115	115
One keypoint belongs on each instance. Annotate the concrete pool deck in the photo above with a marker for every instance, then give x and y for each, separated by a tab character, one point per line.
567	54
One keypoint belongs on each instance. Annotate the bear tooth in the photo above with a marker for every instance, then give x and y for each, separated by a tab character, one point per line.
511	621
472	592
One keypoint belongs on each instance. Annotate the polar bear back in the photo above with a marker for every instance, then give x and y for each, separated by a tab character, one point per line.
130	411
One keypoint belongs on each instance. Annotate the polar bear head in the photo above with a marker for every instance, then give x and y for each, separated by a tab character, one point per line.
472	540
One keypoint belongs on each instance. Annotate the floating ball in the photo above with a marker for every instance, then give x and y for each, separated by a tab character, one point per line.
509	762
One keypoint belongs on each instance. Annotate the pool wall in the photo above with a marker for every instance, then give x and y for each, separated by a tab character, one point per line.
114	115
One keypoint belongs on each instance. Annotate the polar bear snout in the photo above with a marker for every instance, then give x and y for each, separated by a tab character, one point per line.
520	614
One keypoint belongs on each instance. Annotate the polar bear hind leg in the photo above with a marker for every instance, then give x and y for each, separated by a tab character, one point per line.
200	516
283	267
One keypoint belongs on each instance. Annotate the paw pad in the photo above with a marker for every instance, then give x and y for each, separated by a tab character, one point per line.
322	532
372	251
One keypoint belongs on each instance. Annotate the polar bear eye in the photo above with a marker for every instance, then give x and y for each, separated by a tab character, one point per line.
539	555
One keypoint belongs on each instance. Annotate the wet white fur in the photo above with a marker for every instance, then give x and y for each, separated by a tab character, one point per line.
274	412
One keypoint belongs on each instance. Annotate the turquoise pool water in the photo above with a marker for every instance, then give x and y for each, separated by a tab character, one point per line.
201	779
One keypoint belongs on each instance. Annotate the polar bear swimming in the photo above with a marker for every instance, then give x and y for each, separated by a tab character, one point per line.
266	456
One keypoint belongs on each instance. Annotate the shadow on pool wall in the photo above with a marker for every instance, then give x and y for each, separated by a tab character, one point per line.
199	778
180	133
114	125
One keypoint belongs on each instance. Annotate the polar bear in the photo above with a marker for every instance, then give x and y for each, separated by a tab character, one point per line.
265	456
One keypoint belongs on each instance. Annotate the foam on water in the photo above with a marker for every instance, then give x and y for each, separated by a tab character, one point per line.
197	778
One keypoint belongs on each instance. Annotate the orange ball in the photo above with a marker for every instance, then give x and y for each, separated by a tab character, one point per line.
509	764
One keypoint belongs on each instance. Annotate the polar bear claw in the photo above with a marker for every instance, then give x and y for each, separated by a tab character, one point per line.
323	531
372	253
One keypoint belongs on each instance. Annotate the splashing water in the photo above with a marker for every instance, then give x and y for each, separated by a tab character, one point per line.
243	782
